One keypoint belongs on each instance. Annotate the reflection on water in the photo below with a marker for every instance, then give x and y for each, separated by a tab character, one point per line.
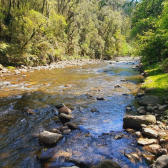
77	88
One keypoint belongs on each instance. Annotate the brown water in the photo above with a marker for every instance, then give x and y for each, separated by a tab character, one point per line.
42	90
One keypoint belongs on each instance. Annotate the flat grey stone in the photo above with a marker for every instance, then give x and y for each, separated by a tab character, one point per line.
152	100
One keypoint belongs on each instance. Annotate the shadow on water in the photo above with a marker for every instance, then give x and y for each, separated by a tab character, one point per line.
94	141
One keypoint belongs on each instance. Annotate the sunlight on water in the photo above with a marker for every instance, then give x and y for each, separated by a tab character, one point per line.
78	88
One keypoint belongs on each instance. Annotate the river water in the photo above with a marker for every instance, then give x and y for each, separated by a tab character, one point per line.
77	88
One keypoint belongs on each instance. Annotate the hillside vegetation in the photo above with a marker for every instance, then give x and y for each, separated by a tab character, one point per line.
34	32
150	35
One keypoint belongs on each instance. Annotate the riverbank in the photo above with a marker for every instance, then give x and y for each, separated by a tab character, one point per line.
55	65
150	126
156	79
10	70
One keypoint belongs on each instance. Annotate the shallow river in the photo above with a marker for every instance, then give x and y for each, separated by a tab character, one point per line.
77	88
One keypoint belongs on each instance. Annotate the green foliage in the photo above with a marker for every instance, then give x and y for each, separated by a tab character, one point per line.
157	81
42	31
150	30
164	65
3	47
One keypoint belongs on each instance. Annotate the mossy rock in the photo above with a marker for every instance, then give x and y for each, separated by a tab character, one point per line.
10	67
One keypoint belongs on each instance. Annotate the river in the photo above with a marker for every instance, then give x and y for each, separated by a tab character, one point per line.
78	88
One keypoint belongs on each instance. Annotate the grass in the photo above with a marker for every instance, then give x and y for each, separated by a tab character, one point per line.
157	81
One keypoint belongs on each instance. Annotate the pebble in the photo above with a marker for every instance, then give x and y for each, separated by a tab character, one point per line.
100	98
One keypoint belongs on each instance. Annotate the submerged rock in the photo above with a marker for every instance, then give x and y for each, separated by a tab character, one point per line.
81	164
45	154
133	157
94	110
116	137
72	125
49	137
107	164
28	111
136	121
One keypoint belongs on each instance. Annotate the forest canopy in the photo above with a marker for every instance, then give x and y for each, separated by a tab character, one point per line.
150	30
34	32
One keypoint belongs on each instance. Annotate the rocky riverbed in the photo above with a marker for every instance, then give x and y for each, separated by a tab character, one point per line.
54	65
73	117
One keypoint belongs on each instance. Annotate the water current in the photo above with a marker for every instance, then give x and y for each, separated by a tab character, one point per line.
78	88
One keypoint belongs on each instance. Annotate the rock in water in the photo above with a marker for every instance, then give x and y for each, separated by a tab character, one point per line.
100	98
65	116
107	164
58	106
136	121
153	100
49	137
72	125
133	157
65	110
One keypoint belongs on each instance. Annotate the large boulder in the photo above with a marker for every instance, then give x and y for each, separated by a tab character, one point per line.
106	164
152	100
161	162
136	121
49	137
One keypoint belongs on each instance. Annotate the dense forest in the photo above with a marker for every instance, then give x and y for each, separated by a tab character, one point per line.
150	31
34	32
